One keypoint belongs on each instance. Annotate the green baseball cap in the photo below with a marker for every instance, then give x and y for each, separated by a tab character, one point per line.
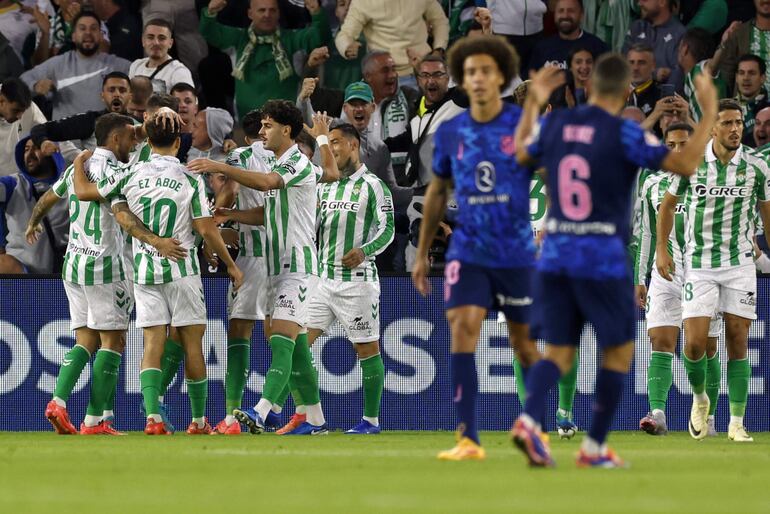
359	90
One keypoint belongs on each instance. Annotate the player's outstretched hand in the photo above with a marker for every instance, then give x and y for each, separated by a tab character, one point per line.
168	118
171	248
321	124
706	94
236	275
544	82
640	292
665	265
33	233
420	276
202	165
353	258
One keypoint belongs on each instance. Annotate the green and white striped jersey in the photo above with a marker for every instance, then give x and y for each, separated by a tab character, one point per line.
290	216
354	212
167	198
258	159
651	192
689	89
721	202
95	247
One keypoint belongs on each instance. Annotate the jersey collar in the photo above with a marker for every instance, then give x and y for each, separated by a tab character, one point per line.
359	172
711	156
171	158
288	153
107	154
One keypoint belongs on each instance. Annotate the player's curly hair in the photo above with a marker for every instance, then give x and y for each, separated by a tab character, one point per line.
285	113
496	47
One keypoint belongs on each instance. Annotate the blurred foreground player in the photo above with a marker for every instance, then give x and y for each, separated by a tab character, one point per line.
491	254
591	158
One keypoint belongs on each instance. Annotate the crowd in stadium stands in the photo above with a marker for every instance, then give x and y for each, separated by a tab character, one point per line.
379	65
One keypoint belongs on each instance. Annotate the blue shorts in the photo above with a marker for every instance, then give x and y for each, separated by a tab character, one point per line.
565	304
507	289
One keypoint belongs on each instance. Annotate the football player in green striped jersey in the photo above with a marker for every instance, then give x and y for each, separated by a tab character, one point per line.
171	202
94	277
290	255
663	301
731	183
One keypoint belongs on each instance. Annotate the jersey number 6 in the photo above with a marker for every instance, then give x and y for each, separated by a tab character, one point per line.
574	194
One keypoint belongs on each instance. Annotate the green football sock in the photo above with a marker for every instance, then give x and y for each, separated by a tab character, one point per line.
238	351
149	380
304	375
659	379
103	379
568	386
373	371
71	367
521	386
738	375
278	375
198	391
713	380
696	373
173	353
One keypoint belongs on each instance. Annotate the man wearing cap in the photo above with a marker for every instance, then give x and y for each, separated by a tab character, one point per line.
357	110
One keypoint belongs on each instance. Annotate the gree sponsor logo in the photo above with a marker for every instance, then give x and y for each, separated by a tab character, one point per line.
340	205
721	191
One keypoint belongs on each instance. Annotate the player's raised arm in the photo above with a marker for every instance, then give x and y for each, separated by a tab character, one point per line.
167	246
320	131
259	181
543	83
685	162
45	204
663	260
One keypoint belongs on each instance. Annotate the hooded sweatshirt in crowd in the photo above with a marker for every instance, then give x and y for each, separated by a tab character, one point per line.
18	195
219	123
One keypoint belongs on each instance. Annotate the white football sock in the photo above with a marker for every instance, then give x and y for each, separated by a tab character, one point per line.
315	415
108	414
301	409
276	408
155	417
591	447
373	421
229	419
60	402
201	422
263	407
91	421
700	397
738	420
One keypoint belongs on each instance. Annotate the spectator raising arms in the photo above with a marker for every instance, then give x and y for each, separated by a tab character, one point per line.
72	81
161	68
263	68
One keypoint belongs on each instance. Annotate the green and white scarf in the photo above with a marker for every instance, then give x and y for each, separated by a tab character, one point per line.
282	62
395	121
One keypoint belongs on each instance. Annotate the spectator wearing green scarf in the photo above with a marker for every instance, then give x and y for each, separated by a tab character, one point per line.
263	68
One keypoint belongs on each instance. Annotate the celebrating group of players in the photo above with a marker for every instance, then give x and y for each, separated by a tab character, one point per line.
280	275
702	181
701	191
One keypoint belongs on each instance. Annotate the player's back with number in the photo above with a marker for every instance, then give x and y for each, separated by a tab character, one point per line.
591	158
167	198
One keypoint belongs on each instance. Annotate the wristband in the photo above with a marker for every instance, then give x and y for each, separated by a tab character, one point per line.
322	140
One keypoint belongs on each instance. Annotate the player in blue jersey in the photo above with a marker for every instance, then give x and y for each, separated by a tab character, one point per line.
591	157
492	252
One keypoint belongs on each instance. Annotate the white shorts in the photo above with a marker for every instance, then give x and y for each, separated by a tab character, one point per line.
287	296
250	301
730	290
356	305
664	304
179	303
99	307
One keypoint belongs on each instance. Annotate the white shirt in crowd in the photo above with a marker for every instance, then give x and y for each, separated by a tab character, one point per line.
172	73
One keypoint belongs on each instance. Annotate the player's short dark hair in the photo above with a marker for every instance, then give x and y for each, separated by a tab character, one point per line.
728	104
753	58
285	113
116	75
181	87
496	47
306	139
699	43
161	134
252	123
612	75
158	100
85	13
348	130
16	91
108	123
679	126
159	22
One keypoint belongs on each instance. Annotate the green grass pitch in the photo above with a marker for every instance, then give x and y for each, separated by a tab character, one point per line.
393	472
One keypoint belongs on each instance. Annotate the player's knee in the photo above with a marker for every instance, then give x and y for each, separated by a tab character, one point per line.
662	342
618	358
366	350
240	329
